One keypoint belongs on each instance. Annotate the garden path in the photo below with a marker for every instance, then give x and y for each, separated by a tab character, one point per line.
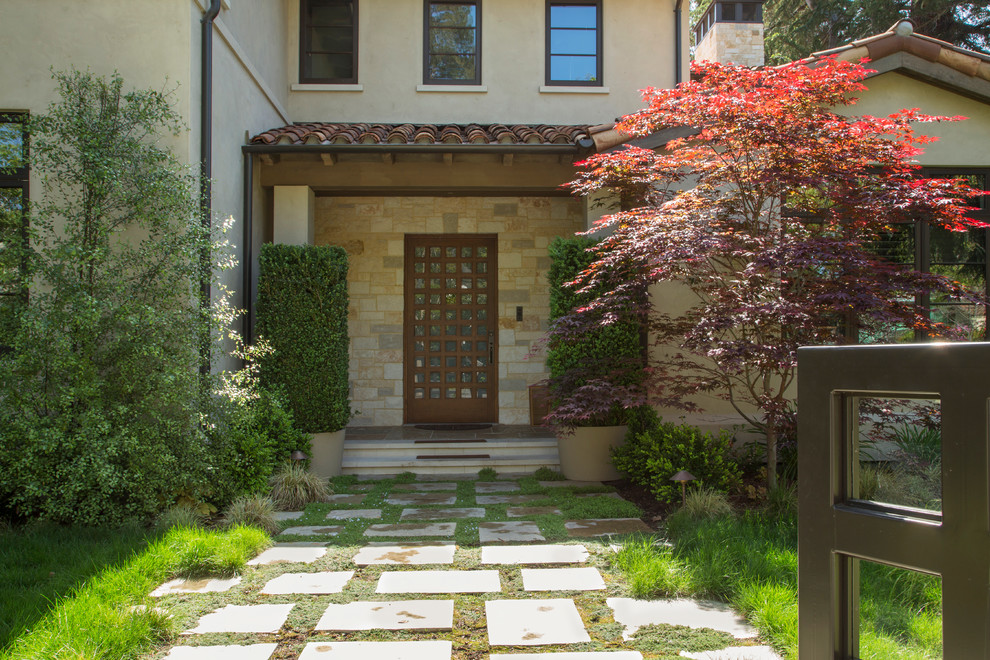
348	586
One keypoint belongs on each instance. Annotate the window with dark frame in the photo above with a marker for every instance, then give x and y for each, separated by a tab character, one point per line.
452	48
13	219
328	41
574	43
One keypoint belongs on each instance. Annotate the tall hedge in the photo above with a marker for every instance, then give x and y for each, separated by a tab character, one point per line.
597	351
302	313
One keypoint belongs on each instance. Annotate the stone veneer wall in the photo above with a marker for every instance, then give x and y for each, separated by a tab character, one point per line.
372	230
738	43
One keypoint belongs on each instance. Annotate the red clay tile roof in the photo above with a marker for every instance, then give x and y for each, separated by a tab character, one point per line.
319	133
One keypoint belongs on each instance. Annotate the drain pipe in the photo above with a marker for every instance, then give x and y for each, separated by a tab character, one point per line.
247	301
677	42
206	160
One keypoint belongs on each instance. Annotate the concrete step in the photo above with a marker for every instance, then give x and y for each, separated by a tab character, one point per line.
450	457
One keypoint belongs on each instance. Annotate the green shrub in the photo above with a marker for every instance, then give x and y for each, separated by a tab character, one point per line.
302	313
652	456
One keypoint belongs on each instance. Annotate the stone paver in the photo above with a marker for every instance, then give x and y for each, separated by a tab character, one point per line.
331	582
507	499
391	615
346	498
633	613
534	622
562	579
405	554
287	515
427	487
249	652
573	655
454	513
409	499
438	582
568	483
534	554
522	511
601	526
243	619
734	653
412	529
347	514
195	586
290	553
513	530
486	487
332	650
313	530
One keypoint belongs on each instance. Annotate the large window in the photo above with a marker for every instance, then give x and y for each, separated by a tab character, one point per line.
574	43
452	49
328	41
13	219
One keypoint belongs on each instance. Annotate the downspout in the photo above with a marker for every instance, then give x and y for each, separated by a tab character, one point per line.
677	42
247	328
206	160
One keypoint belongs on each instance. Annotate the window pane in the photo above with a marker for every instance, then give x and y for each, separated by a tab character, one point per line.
340	12
573	42
11	222
578	68
331	66
452	67
573	16
452	15
332	40
11	145
452	41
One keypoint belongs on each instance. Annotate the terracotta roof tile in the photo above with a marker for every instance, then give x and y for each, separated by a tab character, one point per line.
319	133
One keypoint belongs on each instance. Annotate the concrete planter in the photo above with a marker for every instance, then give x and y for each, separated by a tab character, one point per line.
328	453
584	455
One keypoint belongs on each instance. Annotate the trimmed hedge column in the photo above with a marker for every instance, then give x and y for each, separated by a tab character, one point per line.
302	312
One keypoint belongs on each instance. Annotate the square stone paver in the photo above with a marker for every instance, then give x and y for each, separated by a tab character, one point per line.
285	553
573	655
507	499
568	483
405	554
562	579
313	530
330	582
633	613
195	586
438	582
534	622
523	511
534	554
512	530
250	652
243	619
408	499
734	653
332	650
427	487
346	498
287	515
347	514
391	615
412	529
455	513
485	487
602	526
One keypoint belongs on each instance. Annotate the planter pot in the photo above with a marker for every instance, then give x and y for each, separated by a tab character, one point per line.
584	455
327	454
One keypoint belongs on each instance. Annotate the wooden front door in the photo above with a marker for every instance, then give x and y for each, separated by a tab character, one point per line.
450	328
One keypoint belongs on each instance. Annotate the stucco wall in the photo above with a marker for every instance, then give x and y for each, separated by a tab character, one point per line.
372	231
638	52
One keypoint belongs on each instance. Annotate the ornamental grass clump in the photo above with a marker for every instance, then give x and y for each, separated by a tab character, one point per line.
293	487
252	511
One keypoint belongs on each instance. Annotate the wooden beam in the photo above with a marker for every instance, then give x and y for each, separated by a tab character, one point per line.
507	159
448	158
269	159
329	159
388	158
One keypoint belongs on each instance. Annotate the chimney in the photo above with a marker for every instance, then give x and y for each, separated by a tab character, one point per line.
731	32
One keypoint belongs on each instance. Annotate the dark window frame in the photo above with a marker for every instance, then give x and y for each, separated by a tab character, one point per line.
304	46
427	79
14	180
599	41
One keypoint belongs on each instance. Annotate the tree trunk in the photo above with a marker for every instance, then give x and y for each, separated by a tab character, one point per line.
771	459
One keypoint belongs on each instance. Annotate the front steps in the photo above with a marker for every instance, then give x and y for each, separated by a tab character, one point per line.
391	450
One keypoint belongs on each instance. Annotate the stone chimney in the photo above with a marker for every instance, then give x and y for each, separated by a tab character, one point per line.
731	32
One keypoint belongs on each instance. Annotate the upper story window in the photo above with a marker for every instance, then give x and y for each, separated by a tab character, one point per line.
328	41
13	219
574	43
452	49
749	11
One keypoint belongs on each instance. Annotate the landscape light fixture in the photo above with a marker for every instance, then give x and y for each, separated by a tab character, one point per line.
298	456
682	478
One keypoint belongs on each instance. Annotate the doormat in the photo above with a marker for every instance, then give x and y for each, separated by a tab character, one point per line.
453	427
